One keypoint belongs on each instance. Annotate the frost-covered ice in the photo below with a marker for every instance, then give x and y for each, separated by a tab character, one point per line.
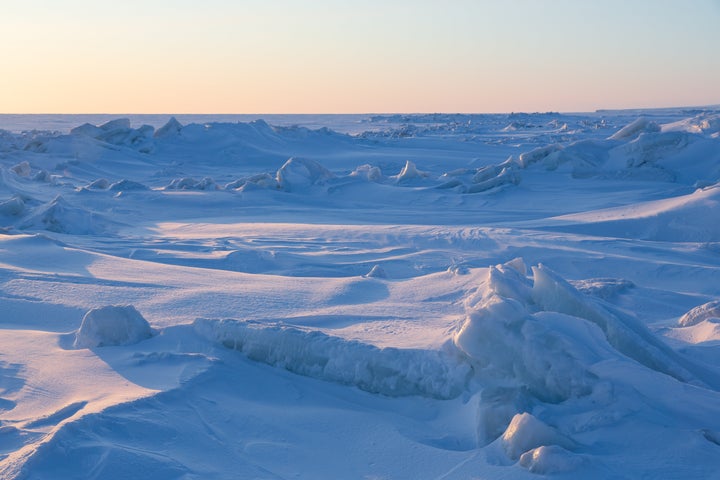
392	296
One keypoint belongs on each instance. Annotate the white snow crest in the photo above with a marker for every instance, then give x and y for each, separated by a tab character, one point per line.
389	371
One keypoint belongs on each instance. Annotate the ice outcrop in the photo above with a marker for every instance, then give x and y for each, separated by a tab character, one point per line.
112	325
389	371
700	314
300	173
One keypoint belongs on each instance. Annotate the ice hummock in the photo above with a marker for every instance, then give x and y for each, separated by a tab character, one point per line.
112	326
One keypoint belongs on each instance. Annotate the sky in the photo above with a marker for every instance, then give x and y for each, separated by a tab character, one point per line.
369	56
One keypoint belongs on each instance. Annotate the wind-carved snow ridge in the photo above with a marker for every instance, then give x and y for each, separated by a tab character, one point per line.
388	371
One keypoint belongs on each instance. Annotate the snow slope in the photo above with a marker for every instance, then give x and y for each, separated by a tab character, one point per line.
401	296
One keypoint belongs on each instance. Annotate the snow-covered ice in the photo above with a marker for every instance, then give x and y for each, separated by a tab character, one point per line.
390	296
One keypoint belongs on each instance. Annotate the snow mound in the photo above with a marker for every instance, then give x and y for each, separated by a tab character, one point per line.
60	216
112	325
675	219
526	433
635	128
707	330
300	173
700	314
389	371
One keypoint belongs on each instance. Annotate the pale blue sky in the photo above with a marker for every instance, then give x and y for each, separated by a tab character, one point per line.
292	56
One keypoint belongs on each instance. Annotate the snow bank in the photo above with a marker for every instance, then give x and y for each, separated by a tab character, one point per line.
300	173
112	325
700	314
389	371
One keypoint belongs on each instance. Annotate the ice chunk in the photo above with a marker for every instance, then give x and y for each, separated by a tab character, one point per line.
170	129
127	185
188	183
390	371
376	272
635	128
22	169
60	216
550	459
526	433
533	156
117	124
368	172
299	173
12	207
409	172
700	314
553	293
112	325
99	184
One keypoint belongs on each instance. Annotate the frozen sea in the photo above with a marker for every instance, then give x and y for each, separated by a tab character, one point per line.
421	296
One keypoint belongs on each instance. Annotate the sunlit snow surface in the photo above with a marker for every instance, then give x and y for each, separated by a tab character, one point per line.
397	296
